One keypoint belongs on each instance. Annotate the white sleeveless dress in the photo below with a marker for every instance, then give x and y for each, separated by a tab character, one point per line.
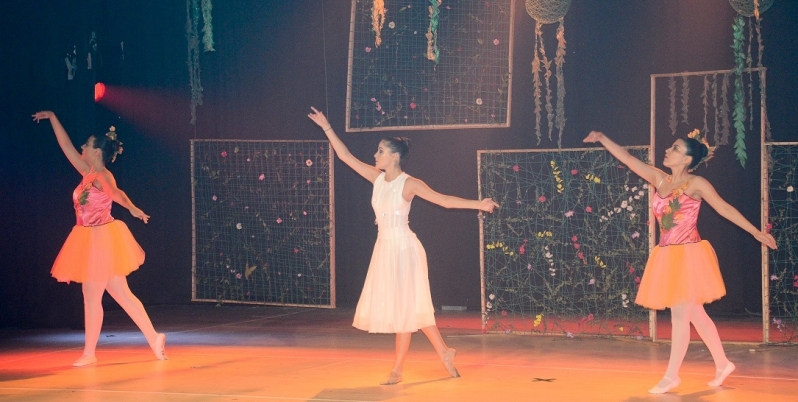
396	296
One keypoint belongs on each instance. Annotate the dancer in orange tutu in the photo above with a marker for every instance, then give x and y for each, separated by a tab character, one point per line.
396	296
100	251
682	272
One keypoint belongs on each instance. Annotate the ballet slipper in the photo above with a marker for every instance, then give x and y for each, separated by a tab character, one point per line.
448	362
393	378
721	375
669	385
158	347
85	360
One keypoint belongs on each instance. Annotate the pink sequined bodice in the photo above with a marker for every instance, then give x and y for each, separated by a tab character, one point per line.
677	214
92	206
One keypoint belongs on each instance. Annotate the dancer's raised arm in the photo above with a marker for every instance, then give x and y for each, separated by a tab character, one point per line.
64	142
368	171
647	172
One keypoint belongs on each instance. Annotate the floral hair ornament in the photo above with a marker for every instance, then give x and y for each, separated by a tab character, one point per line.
111	134
696	135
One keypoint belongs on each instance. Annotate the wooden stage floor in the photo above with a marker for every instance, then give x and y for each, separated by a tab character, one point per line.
246	353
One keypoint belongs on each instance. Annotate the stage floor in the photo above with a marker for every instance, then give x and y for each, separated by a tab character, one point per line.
246	353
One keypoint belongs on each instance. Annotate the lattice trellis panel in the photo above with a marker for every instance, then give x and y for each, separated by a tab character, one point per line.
566	250
444	65
783	221
263	222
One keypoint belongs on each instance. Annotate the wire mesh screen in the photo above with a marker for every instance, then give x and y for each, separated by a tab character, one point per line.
262	216
566	251
438	64
783	221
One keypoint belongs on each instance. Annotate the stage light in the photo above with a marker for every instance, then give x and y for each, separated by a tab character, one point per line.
99	91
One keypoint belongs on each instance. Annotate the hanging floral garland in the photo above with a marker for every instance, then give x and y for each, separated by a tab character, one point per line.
559	60
548	12
433	53
536	84
378	20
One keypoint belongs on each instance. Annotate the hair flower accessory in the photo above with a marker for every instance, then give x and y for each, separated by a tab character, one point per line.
111	134
696	135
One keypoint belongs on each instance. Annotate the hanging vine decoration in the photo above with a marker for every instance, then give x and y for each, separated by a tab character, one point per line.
724	111
559	60
705	101
716	138
536	81
207	25
749	62
377	20
739	101
685	99
672	121
192	35
433	53
760	51
546	63
549	12
746	8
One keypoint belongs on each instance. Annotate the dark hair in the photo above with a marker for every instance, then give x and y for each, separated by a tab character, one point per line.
695	149
110	147
400	145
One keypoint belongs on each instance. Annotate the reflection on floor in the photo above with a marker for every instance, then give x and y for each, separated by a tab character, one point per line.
292	354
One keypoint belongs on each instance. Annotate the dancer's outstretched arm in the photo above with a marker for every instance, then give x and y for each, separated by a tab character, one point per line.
108	186
368	171
64	142
705	190
414	186
647	172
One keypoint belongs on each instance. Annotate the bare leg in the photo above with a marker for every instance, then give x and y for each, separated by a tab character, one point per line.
118	289
680	340
709	334
445	353
402	346
93	321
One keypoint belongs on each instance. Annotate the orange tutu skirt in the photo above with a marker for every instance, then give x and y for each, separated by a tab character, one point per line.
681	273
97	253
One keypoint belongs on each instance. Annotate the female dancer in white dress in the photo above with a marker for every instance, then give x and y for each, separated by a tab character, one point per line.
396	296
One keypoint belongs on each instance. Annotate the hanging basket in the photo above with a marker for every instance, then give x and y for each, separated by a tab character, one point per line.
746	7
549	11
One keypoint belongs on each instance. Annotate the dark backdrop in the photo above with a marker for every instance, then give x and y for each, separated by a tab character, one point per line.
276	58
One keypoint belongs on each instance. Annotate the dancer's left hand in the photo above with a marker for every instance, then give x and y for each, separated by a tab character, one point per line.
487	205
137	213
766	239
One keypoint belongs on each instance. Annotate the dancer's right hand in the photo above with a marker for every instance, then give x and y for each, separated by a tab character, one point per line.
766	239
43	115
594	136
319	118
